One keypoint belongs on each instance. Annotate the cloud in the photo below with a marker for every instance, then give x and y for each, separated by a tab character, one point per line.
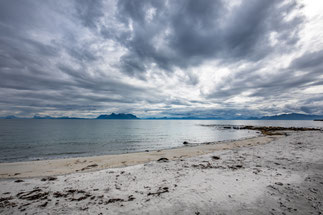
310	61
158	58
188	33
89	12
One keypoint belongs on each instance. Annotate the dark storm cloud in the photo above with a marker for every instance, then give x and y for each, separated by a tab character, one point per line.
93	55
202	30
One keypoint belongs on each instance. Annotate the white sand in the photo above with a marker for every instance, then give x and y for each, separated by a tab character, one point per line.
86	164
284	176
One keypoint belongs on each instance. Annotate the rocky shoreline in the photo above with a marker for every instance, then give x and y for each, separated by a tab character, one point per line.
265	130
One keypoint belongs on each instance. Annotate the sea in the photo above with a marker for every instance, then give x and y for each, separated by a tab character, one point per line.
41	139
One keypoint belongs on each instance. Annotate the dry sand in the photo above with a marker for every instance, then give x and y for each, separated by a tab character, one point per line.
263	175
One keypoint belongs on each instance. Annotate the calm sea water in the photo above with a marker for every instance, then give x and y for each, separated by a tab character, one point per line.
29	139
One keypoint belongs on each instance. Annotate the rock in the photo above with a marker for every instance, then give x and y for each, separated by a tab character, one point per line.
5	202
89	167
185	142
131	198
114	200
162	160
33	195
215	157
159	191
49	178
235	167
59	194
279	183
43	205
313	190
19	181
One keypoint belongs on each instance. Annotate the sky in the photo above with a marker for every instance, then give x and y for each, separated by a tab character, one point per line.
183	58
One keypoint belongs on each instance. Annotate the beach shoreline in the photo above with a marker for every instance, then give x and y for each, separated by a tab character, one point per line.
40	168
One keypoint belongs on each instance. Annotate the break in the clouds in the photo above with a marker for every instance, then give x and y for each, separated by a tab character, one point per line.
205	58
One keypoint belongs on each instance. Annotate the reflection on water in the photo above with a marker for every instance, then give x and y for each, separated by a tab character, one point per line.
24	139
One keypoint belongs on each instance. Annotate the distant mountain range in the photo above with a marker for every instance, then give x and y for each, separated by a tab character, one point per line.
50	117
111	116
9	117
291	116
184	118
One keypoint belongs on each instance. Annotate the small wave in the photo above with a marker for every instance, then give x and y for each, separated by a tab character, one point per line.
64	153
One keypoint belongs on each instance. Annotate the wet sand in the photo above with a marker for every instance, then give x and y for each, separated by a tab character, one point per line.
262	175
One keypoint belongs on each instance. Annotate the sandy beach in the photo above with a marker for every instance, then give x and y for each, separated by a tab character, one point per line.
280	174
86	164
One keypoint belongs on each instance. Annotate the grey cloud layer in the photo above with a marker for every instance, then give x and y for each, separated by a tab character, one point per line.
84	56
203	30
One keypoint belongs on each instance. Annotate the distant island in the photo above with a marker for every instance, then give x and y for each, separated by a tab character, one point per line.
118	116
291	116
